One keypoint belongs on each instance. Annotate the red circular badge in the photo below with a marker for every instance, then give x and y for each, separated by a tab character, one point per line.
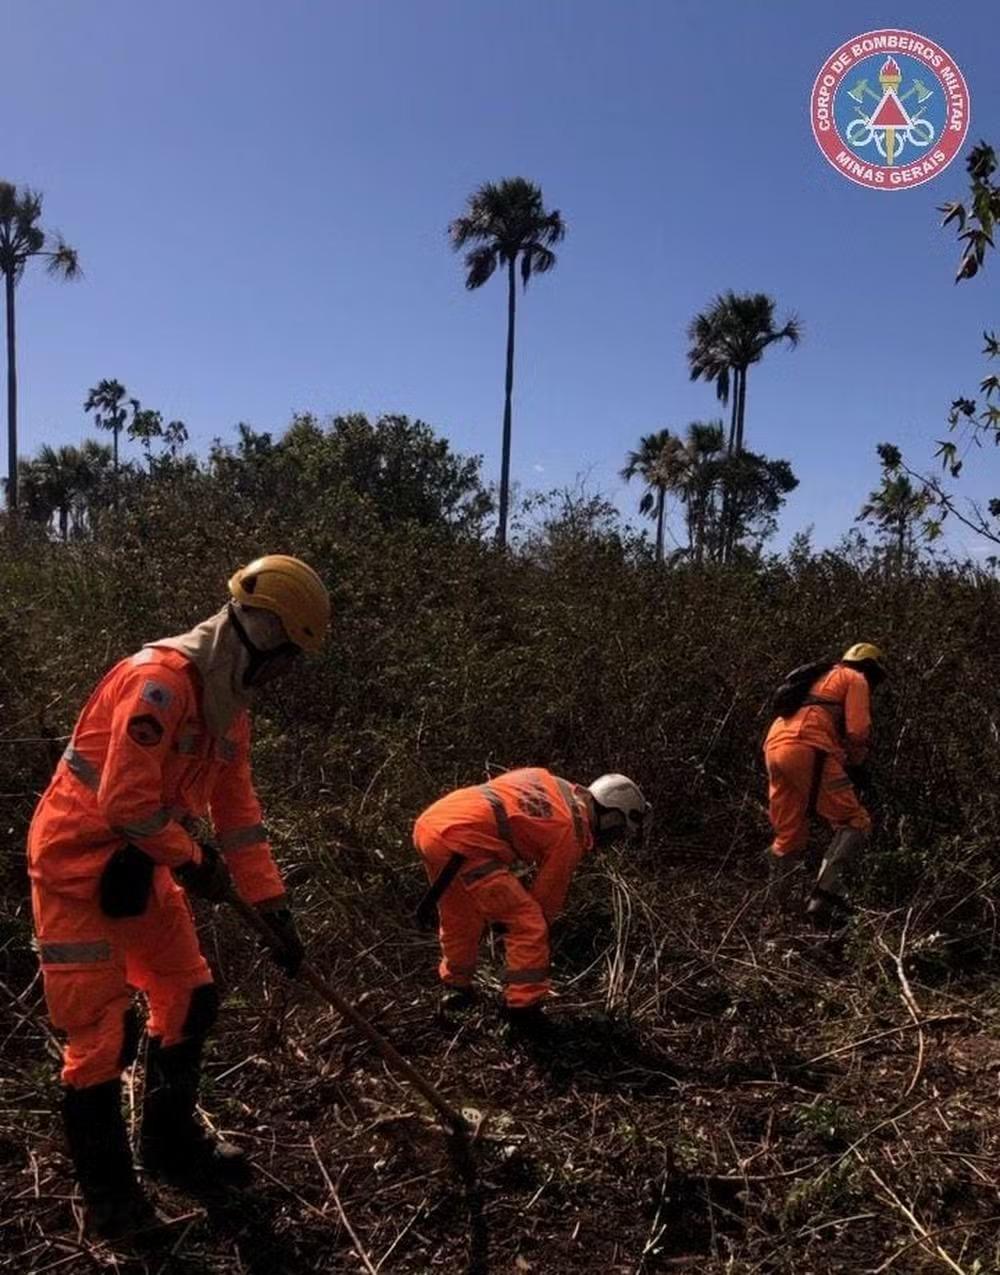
890	109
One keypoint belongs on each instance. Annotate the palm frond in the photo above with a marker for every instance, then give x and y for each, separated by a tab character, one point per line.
64	261
535	259
8	207
480	264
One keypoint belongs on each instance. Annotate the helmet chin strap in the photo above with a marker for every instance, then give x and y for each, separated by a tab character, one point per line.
259	659
609	825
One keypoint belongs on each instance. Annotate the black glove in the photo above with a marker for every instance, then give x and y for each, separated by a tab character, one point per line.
860	776
209	879
126	882
288	953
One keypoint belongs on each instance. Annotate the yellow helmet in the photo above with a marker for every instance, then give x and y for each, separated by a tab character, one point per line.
292	590
862	651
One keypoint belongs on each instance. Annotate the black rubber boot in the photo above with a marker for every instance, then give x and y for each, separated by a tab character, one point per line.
456	1000
176	1146
115	1206
528	1023
827	911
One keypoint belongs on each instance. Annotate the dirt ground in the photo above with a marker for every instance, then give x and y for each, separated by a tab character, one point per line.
725	1091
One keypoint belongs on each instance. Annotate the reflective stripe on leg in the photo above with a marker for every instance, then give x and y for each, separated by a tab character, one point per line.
847	843
540	975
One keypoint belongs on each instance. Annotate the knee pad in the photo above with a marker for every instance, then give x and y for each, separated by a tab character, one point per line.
203	1009
131	1031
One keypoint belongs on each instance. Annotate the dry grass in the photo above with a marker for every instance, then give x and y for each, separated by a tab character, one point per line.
725	1094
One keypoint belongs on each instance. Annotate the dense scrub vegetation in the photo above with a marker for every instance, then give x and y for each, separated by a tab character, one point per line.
714	1107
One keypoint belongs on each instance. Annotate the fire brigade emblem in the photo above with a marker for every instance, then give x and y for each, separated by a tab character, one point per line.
157	694
890	109
145	730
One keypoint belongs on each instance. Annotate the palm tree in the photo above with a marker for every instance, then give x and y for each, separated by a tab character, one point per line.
109	402
503	221
659	462
64	481
21	240
59	474
733	333
698	485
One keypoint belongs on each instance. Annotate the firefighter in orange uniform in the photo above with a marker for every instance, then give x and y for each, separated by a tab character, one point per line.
469	841
815	763
163	741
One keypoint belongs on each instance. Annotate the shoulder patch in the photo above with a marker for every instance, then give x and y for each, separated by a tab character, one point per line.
157	694
145	730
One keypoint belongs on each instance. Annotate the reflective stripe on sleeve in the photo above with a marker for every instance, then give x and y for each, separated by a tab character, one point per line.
148	827
482	870
236	838
504	831
527	976
75	953
82	769
567	795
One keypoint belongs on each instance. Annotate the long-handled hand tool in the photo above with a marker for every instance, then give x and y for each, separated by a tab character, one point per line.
455	1123
457	1128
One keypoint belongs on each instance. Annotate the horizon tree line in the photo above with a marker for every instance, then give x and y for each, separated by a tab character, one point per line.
720	484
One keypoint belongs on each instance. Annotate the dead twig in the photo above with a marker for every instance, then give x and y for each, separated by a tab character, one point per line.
359	1248
925	1236
934	1020
909	1000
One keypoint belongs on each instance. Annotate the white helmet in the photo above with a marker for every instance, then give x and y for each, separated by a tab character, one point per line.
619	795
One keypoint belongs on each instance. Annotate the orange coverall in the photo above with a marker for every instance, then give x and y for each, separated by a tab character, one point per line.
141	770
806	754
529	816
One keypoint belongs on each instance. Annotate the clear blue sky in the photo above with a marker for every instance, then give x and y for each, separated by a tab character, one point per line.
259	192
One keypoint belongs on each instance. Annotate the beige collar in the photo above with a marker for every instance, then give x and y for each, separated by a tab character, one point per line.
214	648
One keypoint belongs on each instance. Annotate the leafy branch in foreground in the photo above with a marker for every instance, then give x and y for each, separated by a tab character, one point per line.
971	420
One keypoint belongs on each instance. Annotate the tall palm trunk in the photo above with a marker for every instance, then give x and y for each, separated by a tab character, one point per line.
661	505
508	388
741	413
114	468
734	413
731	513
727	499
11	398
